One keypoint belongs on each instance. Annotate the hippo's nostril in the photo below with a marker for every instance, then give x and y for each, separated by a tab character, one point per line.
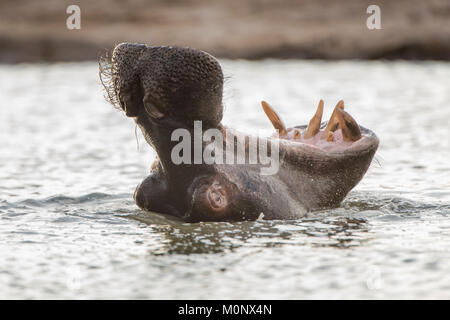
129	106
152	109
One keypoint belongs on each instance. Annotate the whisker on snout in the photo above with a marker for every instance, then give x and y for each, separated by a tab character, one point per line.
108	77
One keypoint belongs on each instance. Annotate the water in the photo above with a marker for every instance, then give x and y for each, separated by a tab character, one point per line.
69	163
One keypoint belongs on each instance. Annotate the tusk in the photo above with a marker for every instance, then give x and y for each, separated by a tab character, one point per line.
350	129
333	122
274	118
314	123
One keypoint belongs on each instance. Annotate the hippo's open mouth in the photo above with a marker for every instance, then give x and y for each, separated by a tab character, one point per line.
165	89
341	133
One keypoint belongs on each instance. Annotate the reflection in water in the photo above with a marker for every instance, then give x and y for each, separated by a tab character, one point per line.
215	237
343	227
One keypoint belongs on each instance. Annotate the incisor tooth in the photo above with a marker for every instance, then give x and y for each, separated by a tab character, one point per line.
350	129
274	118
330	136
333	122
314	123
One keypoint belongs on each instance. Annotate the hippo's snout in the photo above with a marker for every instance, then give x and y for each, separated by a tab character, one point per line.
164	82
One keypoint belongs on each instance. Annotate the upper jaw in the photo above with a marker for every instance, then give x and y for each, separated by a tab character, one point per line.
168	82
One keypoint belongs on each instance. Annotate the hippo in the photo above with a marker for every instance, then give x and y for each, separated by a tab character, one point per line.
169	88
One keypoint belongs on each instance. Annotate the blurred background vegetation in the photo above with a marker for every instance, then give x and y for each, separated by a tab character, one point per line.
33	30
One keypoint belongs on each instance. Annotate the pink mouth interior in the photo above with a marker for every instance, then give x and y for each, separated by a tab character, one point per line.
337	144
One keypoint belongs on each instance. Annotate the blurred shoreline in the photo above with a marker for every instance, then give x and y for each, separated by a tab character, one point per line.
33	31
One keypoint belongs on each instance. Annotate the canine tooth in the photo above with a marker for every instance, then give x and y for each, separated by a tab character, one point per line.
333	122
274	118
350	129
296	134
330	136
314	123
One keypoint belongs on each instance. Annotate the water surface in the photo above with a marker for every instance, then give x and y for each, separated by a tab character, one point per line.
69	163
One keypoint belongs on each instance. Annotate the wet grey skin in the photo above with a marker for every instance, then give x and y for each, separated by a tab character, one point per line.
166	88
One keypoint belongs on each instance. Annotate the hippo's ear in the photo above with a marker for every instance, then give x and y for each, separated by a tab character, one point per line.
211	199
216	198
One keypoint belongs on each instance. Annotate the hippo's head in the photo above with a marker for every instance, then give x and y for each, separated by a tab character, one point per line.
169	88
